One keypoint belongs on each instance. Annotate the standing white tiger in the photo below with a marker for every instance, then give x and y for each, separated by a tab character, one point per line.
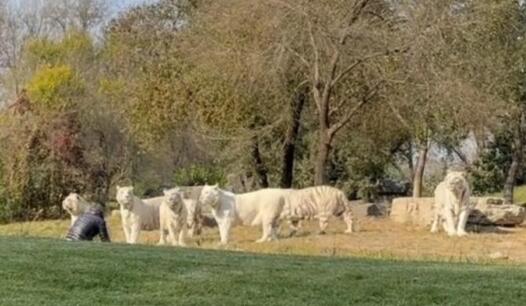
173	214
318	202
262	207
452	205
137	214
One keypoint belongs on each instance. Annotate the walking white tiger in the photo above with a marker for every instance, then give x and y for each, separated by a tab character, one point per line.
319	202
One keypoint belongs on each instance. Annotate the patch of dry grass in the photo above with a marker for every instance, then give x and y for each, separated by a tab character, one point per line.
377	238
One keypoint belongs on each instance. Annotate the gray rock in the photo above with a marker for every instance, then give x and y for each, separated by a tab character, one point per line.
496	214
362	209
418	211
486	211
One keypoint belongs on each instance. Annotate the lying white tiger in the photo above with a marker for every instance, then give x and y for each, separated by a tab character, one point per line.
319	202
173	216
261	207
76	205
137	214
452	206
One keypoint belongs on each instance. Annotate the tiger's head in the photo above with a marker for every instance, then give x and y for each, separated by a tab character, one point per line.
456	181
174	199
210	195
125	196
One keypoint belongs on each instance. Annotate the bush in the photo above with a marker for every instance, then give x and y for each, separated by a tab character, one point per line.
196	175
489	172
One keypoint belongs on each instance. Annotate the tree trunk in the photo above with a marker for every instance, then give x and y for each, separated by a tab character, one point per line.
419	171
510	180
410	164
322	158
287	166
517	149
259	166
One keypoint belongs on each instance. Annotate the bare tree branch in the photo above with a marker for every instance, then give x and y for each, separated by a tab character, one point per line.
349	115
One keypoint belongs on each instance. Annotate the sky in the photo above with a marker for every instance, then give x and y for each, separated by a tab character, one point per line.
121	5
116	5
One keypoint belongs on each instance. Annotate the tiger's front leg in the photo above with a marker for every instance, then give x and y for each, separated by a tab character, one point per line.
134	233
449	222
462	221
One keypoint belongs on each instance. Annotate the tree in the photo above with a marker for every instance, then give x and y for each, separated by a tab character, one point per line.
67	139
337	42
497	36
436	94
16	27
329	47
80	15
148	81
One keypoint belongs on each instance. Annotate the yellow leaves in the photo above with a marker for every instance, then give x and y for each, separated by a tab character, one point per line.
54	88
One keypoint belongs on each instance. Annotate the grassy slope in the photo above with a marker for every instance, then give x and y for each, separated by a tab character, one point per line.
53	272
519	194
376	238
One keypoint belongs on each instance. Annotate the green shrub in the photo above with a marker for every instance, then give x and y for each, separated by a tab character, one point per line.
489	172
195	175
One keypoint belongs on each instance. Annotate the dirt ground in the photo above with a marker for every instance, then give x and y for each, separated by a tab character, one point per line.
375	238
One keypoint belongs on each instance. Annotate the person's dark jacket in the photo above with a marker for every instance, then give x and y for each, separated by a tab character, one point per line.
89	225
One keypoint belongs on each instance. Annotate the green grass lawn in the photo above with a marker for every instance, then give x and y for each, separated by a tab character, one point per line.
519	194
53	272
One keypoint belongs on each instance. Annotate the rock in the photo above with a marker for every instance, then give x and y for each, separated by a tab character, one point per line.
486	211
379	209
387	187
418	211
362	209
496	214
486	200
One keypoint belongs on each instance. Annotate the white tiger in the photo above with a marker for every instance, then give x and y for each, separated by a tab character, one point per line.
319	202
261	207
195	216
452	206
137	214
76	205
173	215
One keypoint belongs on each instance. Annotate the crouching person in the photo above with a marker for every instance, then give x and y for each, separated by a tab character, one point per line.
89	225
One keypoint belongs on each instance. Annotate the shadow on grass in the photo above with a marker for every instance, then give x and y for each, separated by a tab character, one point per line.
490	229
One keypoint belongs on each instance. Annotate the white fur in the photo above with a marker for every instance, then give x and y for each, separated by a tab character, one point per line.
319	202
261	207
76	205
194	216
172	214
452	205
137	214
